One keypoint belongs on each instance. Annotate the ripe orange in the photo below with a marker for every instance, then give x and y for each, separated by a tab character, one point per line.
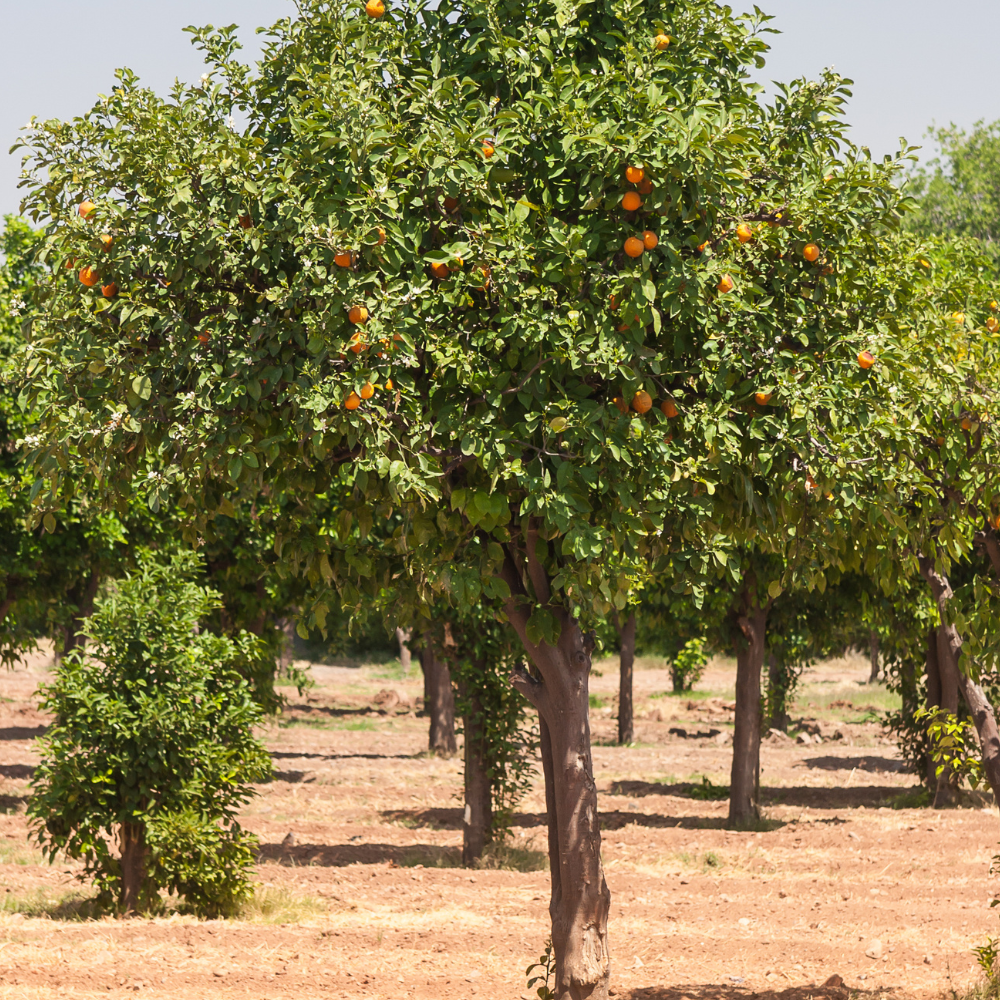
358	343
924	263
702	246
107	240
992	324
204	337
388	384
631	202
375	8
744	233
488	149
634	174
110	290
358	315
440	271
246	222
381	237
89	276
642	402
762	398
87	209
613	302
620	404
367	390
70	263
811	252
810	483
342	259
634	247
352	402
994	305
866	359
450	204
650	239
669	409
966	424
725	284
958	318
661	41
486	273
645	186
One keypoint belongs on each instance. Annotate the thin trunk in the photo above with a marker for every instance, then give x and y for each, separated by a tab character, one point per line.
933	675
405	658
873	651
946	792
744	787
84	609
439	702
132	838
777	693
626	729
580	899
477	827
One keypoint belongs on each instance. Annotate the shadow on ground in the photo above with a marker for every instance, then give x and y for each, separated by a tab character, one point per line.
887	765
341	855
451	819
21	771
736	992
22	732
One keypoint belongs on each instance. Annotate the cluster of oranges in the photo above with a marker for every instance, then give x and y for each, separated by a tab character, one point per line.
642	403
632	202
90	275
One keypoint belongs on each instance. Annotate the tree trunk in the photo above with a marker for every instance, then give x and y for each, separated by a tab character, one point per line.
477	827
405	657
946	793
580	899
626	729
84	609
777	694
933	694
744	788
439	702
132	838
873	651
950	643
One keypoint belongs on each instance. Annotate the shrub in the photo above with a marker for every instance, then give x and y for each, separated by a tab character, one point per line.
152	745
688	665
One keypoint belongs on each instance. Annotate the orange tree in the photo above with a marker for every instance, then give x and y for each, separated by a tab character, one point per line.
441	276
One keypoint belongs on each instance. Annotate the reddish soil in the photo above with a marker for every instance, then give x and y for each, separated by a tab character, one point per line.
368	903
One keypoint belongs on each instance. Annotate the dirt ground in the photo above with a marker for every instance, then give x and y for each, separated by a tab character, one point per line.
364	899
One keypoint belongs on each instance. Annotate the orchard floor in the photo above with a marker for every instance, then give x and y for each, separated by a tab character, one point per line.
368	902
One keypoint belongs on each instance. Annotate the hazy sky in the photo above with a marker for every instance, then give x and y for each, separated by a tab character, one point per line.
914	62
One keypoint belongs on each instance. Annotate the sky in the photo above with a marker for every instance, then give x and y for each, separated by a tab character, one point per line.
914	62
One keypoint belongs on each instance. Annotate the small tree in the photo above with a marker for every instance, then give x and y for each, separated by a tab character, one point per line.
152	744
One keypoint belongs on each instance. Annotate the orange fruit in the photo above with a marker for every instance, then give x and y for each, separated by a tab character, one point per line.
107	240
866	359
367	390
645	186
488	149
375	8
358	343
620	404
634	174
631	202
86	209
810	484
992	324
811	252
70	263
958	318
744	233
642	402
450	204
702	246
669	408
966	424
613	302
940	441
352	402
358	315
994	305
342	259
634	247
661	41
388	384
110	290
89	276
246	222
486	273
762	398
440	270
204	337
650	239
381	237
725	284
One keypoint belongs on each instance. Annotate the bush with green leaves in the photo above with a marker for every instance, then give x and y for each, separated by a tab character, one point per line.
688	666
153	746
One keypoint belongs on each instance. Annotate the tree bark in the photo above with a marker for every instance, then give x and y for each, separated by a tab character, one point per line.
580	899
744	787
933	694
777	694
946	793
477	826
983	717
439	702
626	658
405	657
873	651
84	609
132	837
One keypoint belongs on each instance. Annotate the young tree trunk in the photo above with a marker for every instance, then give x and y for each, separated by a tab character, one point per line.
946	792
873	651
84	601
132	837
477	826
580	898
933	675
744	788
626	728
777	691
439	702
405	657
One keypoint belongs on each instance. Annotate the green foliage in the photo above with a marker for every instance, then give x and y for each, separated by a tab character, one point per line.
708	792
541	972
688	665
153	727
953	745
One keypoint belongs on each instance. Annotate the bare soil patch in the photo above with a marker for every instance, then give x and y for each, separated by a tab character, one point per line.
364	899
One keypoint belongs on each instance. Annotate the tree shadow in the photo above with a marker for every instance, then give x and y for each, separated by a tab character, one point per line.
13	803
330	710
292	755
22	732
341	855
20	771
886	765
738	992
451	819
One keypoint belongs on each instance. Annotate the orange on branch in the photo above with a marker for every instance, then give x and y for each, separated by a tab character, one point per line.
634	247
89	276
204	337
631	202
634	175
488	149
744	233
342	259
107	241
762	398
358	315
367	390
669	409
642	402
440	271
650	239
866	359
375	8
621	404
992	324
450	204
725	284
379	237
87	209
811	252
358	343
246	222
661	41
352	402
110	290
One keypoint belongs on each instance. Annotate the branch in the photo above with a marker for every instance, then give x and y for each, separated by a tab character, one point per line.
536	571
531	688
